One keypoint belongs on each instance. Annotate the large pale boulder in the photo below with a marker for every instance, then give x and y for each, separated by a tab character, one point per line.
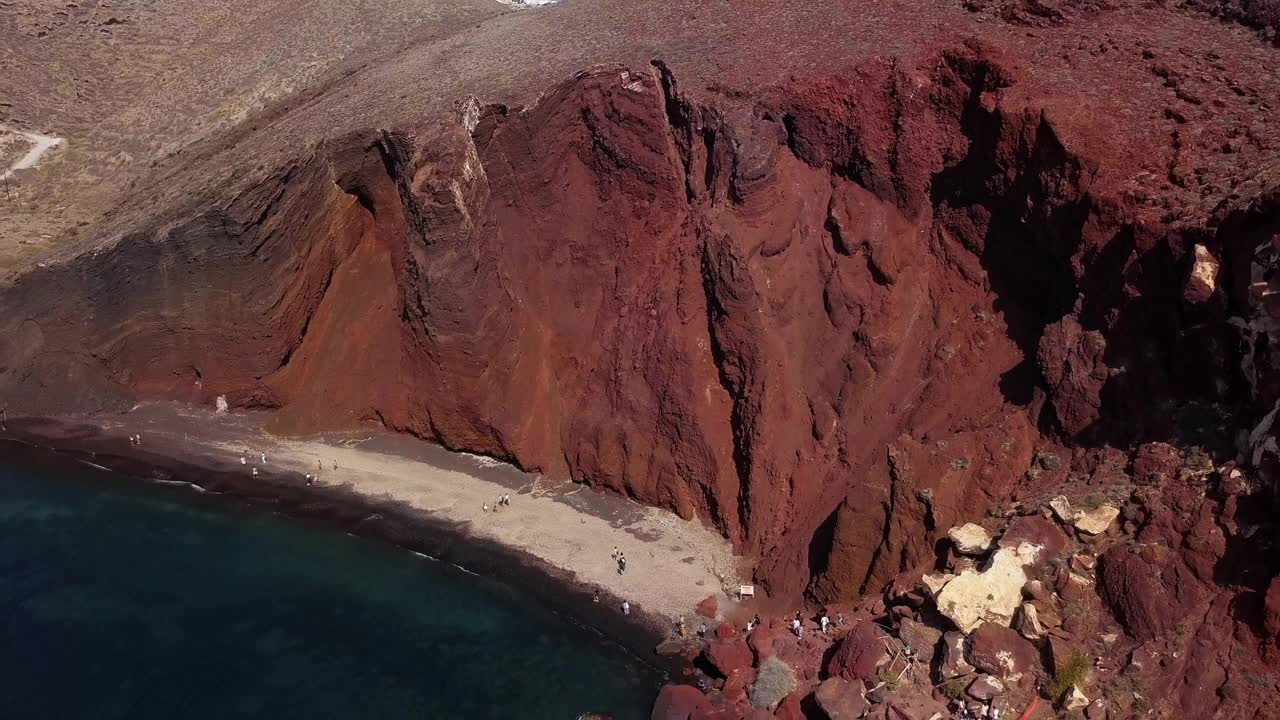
990	595
932	583
970	539
1097	520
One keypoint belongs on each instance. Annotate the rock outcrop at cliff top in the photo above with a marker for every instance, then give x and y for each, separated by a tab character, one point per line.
833	318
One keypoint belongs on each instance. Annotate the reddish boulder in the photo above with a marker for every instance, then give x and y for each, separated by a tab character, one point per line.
1135	589
1071	360
721	711
761	642
859	654
1271	618
789	708
954	663
709	607
677	702
1060	651
725	630
1039	531
922	638
737	683
985	688
1156	463
1002	652
841	699
729	655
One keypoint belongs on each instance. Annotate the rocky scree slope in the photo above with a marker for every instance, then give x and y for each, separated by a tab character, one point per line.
833	318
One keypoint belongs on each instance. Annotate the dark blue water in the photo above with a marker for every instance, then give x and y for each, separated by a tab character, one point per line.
127	601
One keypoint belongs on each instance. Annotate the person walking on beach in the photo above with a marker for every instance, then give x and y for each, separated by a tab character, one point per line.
485	507
264	458
243	461
626	608
824	622
622	564
4	418
615	553
255	472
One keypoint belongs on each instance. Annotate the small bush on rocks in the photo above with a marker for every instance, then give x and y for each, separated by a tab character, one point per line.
774	681
1070	674
953	689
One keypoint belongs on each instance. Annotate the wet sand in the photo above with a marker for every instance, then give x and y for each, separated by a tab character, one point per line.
554	541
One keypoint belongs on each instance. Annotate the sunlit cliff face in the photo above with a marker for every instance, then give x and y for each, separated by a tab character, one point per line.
833	321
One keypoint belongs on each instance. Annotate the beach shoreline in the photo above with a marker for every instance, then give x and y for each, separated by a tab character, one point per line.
210	468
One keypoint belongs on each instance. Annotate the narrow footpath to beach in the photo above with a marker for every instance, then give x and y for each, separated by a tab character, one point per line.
671	564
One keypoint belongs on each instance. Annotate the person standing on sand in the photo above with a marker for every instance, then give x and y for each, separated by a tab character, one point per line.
264	458
626	608
824	622
485	507
622	564
243	461
615	553
796	627
255	472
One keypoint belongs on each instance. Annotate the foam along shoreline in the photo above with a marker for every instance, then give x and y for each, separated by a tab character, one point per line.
552	543
40	144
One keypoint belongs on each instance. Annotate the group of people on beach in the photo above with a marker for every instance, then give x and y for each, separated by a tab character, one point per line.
504	500
620	559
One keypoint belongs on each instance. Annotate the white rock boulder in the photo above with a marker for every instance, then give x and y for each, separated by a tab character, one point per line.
992	594
970	539
1097	520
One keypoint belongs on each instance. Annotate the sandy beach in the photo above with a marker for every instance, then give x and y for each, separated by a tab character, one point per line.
672	564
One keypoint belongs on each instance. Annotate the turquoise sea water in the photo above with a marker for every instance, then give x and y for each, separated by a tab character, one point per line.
120	600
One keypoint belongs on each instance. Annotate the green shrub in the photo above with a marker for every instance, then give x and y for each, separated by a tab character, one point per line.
774	681
953	689
890	679
1072	673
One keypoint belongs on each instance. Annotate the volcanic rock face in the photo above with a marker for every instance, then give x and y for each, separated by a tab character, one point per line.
831	319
